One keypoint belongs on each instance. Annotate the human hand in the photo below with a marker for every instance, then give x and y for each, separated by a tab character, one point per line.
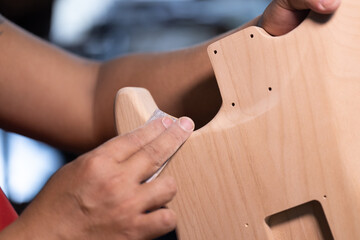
101	195
282	16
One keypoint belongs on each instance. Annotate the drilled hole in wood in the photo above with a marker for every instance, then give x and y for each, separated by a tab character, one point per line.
325	197
246	225
233	104
270	89
252	35
215	51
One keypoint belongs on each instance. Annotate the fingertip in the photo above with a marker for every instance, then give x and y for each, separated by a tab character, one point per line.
169	219
187	124
157	223
327	6
167	121
171	185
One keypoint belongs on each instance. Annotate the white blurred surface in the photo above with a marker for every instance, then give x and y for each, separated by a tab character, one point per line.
2	163
72	18
31	163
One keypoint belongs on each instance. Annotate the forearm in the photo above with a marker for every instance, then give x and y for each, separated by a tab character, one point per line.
45	93
51	95
182	83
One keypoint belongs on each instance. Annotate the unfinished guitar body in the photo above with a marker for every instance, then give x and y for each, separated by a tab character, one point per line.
281	159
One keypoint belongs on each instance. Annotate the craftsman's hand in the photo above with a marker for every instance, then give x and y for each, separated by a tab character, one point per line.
101	195
282	16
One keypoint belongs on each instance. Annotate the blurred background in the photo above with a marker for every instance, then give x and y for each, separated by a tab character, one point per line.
104	29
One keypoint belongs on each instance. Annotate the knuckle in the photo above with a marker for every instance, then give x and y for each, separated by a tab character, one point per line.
92	164
110	186
154	154
132	227
168	219
133	138
171	186
130	203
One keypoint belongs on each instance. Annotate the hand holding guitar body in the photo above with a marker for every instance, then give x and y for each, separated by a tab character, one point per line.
100	195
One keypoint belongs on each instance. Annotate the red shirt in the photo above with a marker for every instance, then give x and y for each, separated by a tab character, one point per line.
7	212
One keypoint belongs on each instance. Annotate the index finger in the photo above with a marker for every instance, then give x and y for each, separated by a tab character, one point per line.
152	156
122	147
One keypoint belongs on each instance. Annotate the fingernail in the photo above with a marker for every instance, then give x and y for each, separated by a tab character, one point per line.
328	5
167	122
323	5
187	124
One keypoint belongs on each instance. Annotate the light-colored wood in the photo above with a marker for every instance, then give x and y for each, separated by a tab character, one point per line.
134	106
281	158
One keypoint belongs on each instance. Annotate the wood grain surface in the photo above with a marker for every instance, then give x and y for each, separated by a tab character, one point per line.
281	158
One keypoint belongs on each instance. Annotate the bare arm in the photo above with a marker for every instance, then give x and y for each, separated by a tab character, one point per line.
65	100
68	101
182	82
45	92
101	194
48	94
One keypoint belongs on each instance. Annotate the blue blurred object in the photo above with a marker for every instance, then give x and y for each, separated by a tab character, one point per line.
143	26
26	166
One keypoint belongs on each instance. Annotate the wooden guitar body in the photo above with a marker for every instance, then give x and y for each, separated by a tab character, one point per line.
281	159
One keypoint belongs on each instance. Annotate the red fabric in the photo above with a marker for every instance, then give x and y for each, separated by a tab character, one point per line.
7	212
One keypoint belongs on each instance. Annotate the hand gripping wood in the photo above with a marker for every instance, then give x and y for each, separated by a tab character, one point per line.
281	159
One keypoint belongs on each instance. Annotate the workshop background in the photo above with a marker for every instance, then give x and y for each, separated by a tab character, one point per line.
104	29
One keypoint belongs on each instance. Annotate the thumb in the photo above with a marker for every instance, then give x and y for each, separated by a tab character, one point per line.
282	16
319	6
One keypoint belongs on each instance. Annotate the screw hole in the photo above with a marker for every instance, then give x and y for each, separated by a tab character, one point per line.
252	35
246	225
215	51
233	104
270	89
325	197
